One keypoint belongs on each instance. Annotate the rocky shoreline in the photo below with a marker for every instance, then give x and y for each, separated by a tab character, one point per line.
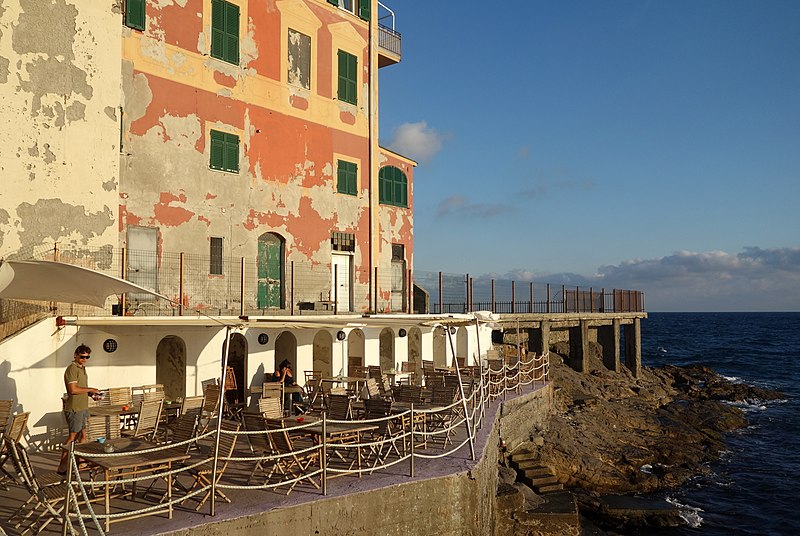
613	436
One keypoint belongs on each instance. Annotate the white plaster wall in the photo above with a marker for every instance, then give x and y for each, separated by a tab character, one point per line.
59	135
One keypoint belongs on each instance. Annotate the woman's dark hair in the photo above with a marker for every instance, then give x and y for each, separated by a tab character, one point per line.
284	364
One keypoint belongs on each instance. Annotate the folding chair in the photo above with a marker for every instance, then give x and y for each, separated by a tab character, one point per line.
387	432
314	392
273	390
47	493
5	414
270	408
445	419
203	475
106	426
210	407
120	396
259	442
340	407
293	464
148	420
12	435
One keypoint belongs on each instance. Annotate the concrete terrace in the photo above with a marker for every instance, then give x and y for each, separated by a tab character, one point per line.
455	494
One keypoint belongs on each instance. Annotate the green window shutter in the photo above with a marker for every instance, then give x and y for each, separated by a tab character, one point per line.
347	173
232	32
224	151
225	31
135	14
231	153
347	88
392	186
334	2
364	8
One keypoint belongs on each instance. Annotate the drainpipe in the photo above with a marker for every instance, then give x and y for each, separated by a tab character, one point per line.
373	133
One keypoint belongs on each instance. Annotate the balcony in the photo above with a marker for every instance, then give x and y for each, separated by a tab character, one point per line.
389	39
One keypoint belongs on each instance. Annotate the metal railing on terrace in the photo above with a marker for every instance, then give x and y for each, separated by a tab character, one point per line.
460	293
236	286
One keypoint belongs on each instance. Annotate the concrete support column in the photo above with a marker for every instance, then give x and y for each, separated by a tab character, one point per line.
539	339
633	347
579	347
608	337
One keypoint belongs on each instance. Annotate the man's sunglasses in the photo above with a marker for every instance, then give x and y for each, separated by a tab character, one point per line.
84	356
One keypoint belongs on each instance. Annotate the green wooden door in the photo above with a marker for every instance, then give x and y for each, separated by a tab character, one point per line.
270	271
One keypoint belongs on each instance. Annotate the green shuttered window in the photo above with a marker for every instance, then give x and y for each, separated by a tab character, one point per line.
348	87
363	9
135	14
346	178
225	31
392	186
224	151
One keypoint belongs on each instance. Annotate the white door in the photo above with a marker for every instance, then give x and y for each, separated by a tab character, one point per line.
142	261
340	282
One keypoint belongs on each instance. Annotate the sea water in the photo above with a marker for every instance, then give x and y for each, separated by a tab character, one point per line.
755	487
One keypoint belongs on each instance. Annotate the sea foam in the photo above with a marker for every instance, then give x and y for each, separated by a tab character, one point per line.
690	514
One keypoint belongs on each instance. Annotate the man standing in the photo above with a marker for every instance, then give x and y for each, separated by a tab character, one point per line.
76	408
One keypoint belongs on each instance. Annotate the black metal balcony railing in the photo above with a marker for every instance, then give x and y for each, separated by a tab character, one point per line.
389	40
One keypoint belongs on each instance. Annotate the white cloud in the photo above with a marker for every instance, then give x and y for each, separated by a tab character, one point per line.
417	141
459	205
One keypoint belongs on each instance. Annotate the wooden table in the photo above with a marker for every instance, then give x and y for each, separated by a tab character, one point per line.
127	417
136	463
354	383
341	433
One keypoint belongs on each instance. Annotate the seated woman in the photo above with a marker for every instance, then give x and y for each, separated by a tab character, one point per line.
284	375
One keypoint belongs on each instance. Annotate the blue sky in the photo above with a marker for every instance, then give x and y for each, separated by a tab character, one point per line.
628	144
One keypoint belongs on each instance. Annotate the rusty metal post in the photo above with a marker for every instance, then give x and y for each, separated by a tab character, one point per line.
441	311
548	297
376	289
493	309
591	300
124	273
181	265
410	307
530	300
513	297
242	288
291	305
466	298
471	293
563	299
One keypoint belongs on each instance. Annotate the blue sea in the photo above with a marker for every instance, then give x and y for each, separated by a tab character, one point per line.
755	487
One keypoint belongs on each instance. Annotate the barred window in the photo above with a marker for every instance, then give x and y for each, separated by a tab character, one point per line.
216	256
343	242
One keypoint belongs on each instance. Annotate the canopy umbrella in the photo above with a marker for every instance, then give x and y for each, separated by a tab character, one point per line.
59	282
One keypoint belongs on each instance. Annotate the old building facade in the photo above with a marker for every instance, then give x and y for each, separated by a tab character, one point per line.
239	133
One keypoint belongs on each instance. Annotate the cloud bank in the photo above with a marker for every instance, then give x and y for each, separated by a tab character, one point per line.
755	279
459	205
417	141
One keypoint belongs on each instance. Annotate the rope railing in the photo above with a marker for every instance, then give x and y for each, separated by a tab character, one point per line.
400	437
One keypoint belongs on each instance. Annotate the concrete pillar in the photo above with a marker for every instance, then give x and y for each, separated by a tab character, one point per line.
633	347
539	339
579	347
608	337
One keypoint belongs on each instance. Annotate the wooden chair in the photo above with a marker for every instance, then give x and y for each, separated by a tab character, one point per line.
210	406
374	371
273	390
5	414
372	389
445	419
47	492
340	407
120	396
106	426
270	408
292	465
211	381
314	390
11	437
147	423
259	442
203	475
358	371
387	433
192	403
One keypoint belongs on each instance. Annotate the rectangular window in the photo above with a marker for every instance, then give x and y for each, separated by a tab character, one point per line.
216	256
346	174
348	77
135	14
224	151
225	31
343	242
299	59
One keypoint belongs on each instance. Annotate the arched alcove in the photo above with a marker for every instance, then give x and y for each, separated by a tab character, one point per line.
462	344
237	360
415	352
386	349
323	353
355	349
439	347
286	348
171	366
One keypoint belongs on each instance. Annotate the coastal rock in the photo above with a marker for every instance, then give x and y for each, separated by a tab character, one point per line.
613	434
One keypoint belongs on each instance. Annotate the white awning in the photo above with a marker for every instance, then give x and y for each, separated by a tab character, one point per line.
60	282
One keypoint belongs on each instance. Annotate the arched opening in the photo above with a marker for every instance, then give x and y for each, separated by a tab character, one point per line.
323	353
171	366
355	350
386	344
237	360
439	347
286	348
462	345
271	271
415	352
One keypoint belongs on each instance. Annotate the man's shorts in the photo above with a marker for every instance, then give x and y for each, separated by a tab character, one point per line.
76	420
